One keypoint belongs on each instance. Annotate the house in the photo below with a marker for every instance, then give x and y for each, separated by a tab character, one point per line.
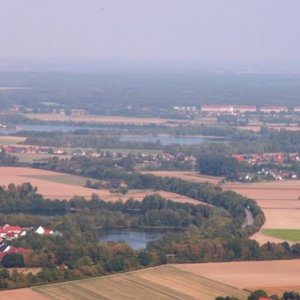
11	249
10	232
273	109
6	249
227	108
43	231
59	151
57	233
238	157
117	183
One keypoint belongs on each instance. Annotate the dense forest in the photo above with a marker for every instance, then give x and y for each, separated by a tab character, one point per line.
112	92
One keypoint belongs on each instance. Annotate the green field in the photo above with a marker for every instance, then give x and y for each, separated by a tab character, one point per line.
285	234
133	151
160	283
66	179
4	140
31	157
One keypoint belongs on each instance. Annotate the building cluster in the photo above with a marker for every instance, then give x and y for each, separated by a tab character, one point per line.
8	249
273	166
233	109
18	149
143	159
9	232
263	158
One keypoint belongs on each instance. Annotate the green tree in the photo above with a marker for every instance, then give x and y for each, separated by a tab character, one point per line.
257	294
13	260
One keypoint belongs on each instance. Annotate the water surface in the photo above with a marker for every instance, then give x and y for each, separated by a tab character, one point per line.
135	238
170	139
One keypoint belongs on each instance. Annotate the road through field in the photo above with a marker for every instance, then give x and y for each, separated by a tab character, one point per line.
278	200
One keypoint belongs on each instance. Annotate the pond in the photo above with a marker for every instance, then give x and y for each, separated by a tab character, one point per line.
137	239
170	139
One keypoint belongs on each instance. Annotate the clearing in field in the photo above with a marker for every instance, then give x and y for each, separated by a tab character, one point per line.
163	283
54	185
251	275
284	234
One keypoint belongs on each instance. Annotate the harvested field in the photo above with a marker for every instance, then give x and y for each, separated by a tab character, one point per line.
21	294
250	275
99	119
56	185
279	290
163	283
262	238
188	176
63	178
278	200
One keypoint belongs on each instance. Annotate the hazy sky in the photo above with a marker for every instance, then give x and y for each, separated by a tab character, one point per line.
151	30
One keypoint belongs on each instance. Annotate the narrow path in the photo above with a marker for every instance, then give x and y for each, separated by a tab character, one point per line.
249	220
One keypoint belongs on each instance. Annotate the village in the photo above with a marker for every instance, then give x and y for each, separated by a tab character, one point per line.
269	166
139	158
10	232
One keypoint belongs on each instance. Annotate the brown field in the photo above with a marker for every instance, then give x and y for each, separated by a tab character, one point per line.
202	281
280	274
262	238
278	199
163	283
21	294
120	119
100	119
55	185
188	176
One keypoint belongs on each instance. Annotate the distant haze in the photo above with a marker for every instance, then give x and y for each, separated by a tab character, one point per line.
188	32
